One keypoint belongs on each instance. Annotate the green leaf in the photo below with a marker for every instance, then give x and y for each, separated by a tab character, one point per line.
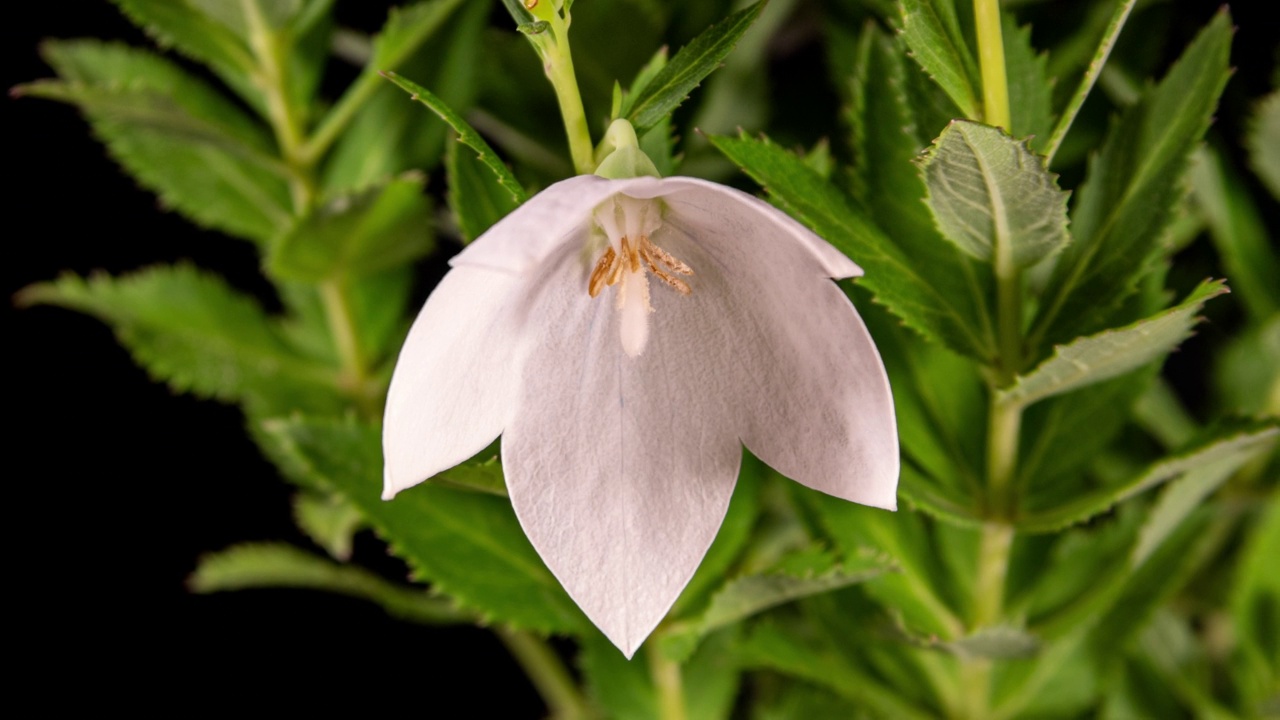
1247	376
1263	141
642	80
381	135
466	135
1030	87
660	96
801	575
1238	231
179	25
276	565
190	330
1113	352
1179	498
357	235
1236	444
180	138
624	689
990	194
814	659
467	545
936	298
1255	604
932	31
475	196
484	476
999	642
329	520
1131	190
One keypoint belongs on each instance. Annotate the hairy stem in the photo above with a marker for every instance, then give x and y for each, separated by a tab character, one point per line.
547	673
1090	77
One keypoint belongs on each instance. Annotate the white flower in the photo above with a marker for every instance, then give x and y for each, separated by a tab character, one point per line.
626	338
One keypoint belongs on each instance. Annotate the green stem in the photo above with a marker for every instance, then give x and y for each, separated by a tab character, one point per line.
995	86
1004	430
668	682
343	328
281	114
557	60
547	673
1090	77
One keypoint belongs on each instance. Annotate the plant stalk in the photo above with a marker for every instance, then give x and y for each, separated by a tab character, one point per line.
557	58
995	85
547	673
669	684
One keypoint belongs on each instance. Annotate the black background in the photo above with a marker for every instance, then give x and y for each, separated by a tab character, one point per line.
115	485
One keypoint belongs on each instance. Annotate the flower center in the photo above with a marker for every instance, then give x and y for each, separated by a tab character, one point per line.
629	223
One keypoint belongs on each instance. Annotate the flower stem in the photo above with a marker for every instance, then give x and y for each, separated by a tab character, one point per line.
547	673
557	58
995	86
1090	77
669	684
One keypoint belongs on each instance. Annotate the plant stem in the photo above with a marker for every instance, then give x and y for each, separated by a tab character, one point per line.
557	60
547	673
995	86
669	684
342	326
1090	77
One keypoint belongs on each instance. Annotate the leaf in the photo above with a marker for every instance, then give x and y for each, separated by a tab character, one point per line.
1234	444
693	63
999	642
990	194
475	196
177	24
406	29
804	574
356	235
932	31
181	139
190	330
1030	87
484	476
936	298
329	520
466	135
1254	603
1131	190
1237	229
276	565
624	689
1180	497
814	659
467	545
1263	142
1113	352
642	79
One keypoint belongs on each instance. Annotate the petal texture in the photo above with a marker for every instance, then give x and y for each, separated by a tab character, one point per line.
812	398
620	468
453	389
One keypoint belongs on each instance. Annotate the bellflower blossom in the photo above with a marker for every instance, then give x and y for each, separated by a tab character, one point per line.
626	337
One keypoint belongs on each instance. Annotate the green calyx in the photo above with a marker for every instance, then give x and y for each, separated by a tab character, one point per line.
619	155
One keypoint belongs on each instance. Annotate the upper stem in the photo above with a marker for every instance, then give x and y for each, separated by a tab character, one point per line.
995	86
669	684
547	673
557	58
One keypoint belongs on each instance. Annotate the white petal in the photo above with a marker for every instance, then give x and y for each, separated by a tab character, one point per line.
453	389
620	468
814	400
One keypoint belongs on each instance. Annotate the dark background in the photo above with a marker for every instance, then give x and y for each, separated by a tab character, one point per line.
121	485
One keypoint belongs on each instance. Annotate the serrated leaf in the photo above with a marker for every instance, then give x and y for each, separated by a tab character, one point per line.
1114	352
276	565
932	31
190	330
1178	498
466	135
177	24
357	235
329	520
693	63
1237	229
467	545
180	138
990	194
1130	192
475	196
1236	443
1030	87
642	79
742	597
1263	141
936	297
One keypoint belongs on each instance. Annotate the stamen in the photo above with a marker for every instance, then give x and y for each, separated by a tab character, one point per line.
601	272
668	259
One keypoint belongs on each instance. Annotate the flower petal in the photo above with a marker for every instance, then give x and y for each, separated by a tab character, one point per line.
620	468
813	397
453	389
